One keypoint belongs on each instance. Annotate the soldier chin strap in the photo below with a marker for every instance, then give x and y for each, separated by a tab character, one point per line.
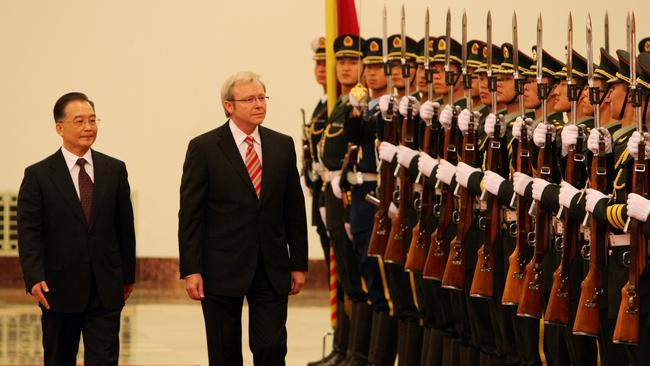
627	94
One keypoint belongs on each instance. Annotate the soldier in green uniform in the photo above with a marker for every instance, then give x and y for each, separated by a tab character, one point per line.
380	348
332	149
612	211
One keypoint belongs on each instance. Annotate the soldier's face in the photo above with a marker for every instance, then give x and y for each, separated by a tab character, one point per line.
347	70
421	79
531	100
320	72
559	94
584	104
439	82
475	81
374	75
618	99
483	90
505	88
396	74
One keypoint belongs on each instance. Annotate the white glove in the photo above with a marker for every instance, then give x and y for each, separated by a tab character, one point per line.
445	116
593	142
403	106
539	185
633	144
427	109
638	207
384	100
490	124
353	100
539	135
492	181
387	151
426	164
463	171
569	136
592	197
405	155
392	210
348	230
463	120
336	189
516	128
520	181
446	171
567	192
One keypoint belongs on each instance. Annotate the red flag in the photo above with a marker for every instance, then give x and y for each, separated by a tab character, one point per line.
347	17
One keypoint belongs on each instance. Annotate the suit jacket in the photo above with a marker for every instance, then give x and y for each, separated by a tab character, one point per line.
57	245
224	227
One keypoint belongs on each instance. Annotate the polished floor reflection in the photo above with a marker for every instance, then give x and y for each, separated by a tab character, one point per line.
160	327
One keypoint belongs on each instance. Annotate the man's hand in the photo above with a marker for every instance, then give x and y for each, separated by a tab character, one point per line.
38	292
194	286
128	288
297	281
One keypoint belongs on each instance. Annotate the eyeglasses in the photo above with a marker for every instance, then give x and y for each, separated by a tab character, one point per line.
262	99
92	122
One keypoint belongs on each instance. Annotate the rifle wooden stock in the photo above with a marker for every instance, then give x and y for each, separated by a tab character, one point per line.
627	326
455	269
516	262
421	239
434	266
530	304
397	246
381	224
587	321
557	309
483	280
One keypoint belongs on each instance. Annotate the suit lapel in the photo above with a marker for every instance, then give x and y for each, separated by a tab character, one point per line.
63	181
229	148
268	156
100	168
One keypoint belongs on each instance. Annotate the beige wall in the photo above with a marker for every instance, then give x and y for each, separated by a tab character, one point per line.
154	68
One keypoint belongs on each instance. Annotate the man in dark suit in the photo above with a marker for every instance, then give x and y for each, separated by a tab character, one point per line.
242	227
77	241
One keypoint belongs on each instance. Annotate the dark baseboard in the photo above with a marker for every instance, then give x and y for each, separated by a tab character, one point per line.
157	272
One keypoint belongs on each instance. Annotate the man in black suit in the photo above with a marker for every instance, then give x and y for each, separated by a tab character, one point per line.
242	227
77	241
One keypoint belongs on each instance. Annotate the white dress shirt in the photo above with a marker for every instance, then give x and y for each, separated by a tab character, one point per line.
240	140
71	162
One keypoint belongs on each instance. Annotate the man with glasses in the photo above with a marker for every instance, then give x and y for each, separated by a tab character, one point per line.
77	240
242	227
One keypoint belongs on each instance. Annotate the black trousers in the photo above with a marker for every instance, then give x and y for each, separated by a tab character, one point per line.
267	333
100	328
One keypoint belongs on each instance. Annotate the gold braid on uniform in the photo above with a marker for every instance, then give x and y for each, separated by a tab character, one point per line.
615	216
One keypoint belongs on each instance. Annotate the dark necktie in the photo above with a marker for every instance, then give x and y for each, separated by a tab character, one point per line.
85	189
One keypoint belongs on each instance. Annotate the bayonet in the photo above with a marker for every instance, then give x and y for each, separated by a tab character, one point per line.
405	66
572	90
492	81
467	79
427	68
387	67
607	31
520	82
636	95
449	77
594	93
541	86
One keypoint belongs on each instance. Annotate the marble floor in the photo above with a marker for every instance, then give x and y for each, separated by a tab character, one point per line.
161	327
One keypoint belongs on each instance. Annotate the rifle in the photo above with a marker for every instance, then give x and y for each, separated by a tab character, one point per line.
627	326
517	260
396	247
420	241
483	280
306	150
385	187
557	309
530	304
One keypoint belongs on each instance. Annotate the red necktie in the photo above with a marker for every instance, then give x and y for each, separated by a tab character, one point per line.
253	165
85	189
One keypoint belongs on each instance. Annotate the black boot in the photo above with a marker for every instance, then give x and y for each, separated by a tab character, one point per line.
409	342
340	343
433	347
357	354
383	340
425	350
